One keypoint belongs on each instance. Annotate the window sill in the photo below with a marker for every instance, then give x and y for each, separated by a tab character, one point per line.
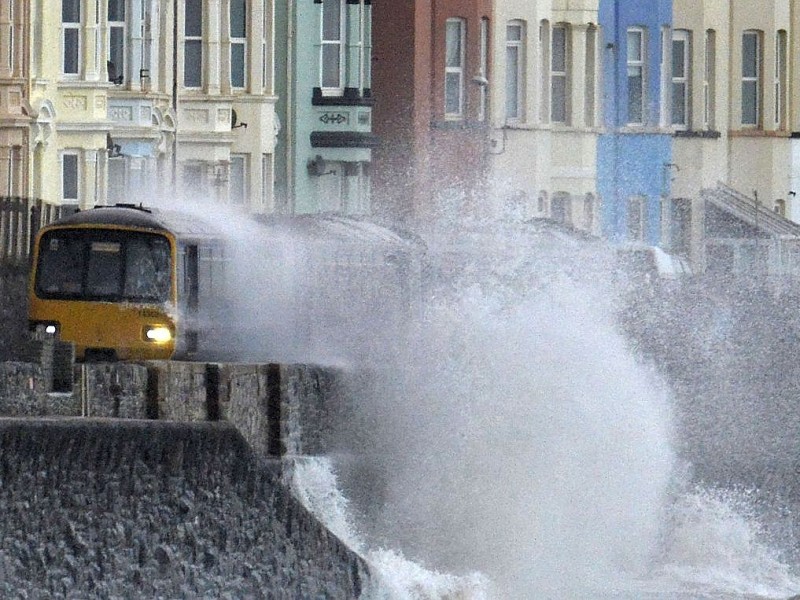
708	134
758	133
459	124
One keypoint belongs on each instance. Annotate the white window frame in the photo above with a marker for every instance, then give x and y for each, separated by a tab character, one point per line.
77	156
637	63
515	94
334	44
681	93
454	67
779	82
483	100
559	73
11	30
752	80
122	27
72	27
193	40
709	76
266	26
239	42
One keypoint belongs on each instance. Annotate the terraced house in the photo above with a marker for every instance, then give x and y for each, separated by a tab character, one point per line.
545	110
14	106
109	82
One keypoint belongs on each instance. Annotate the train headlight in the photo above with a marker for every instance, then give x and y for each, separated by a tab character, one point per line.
159	334
50	329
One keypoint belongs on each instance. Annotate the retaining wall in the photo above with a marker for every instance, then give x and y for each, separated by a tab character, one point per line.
134	509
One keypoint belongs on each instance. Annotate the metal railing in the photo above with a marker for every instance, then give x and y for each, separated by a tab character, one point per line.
20	220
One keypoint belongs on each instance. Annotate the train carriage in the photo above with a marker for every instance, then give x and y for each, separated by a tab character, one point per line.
125	282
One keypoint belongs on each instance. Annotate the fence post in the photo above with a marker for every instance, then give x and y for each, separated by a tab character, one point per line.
4	206
33	227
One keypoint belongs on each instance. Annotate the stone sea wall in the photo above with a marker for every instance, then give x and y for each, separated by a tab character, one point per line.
98	508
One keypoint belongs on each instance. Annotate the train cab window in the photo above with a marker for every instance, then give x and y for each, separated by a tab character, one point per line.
104	269
104	265
147	269
61	266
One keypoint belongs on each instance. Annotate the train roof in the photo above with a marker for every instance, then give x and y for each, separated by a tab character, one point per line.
357	231
136	216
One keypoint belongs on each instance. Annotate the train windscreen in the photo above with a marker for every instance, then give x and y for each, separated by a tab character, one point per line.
104	265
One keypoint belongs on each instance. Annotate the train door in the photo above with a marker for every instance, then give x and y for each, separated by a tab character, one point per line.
188	298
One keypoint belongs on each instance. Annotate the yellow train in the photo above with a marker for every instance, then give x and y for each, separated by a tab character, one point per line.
124	282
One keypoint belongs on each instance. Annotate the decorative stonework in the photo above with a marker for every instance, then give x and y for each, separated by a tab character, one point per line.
223	115
144	114
120	113
74	102
335	118
196	116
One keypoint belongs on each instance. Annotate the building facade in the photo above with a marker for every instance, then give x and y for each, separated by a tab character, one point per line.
137	100
634	152
14	105
324	84
432	62
544	110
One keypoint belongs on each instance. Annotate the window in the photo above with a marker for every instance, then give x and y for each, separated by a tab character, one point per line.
637	220
266	179
561	208
515	70
332	48
11	28
680	78
680	227
559	92
636	62
709	76
238	190
454	68
780	79
116	40
69	176
591	77
194	181
588	211
193	44
751	76
71	36
484	70
238	19
266	55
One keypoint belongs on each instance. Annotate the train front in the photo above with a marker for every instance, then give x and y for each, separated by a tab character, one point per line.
108	289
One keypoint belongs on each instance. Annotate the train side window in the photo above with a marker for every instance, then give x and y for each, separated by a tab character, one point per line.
190	277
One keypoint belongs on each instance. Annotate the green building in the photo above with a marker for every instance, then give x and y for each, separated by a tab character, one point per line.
322	64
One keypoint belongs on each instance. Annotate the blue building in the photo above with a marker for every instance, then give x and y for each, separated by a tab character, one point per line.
635	149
